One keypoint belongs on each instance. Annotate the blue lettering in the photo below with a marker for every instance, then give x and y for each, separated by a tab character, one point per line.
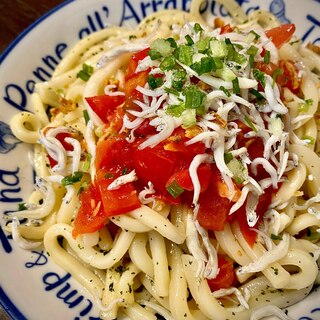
185	5
128	13
30	86
53	280
170	4
59	49
5	242
42	74
144	7
15	96
68	296
315	23
95	23
10	179
41	260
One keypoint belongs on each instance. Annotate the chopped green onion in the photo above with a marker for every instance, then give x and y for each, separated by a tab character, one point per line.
162	46
260	76
86	116
225	73
87	162
255	34
154	82
225	91
275	74
228	157
154	54
184	54
308	139
266	57
240	173
202	45
194	97
22	206
276	237
109	175
235	86
252	51
197	28
180	75
76	177
189	40
227	41
235	56
175	109
189	118
174	189
85	73
168	63
218	48
171	90
205	65
218	63
304	107
172	42
84	186
250	123
257	94
124	171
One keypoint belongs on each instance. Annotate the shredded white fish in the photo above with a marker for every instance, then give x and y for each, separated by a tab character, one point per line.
124	179
279	251
269	310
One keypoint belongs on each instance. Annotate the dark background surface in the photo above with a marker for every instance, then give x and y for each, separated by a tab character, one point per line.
15	17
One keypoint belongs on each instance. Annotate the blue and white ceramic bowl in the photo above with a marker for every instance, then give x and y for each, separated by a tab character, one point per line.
32	286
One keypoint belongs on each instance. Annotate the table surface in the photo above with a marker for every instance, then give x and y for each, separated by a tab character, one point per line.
16	16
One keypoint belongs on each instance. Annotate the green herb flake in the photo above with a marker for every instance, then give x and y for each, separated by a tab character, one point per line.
22	206
235	86
86	116
260	76
255	34
228	157
250	123
75	177
85	73
167	63
276	237
197	28
275	74
257	94
305	106
205	65
225	91
175	110
175	189
184	54
189	40
266	58
154	82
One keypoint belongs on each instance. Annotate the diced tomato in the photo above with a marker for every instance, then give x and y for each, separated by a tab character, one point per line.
145	129
281	34
155	165
183	179
226	276
105	105
226	29
91	216
290	76
137	79
113	151
262	207
117	201
133	62
214	209
67	146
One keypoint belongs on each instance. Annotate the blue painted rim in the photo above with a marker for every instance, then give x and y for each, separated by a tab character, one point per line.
6	303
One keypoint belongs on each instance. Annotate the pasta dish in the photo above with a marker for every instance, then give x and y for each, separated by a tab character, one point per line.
177	167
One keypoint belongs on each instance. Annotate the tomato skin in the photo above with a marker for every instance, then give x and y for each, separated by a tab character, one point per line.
214	209
154	164
184	180
226	29
67	146
133	62
262	207
117	201
87	220
226	276
281	34
105	105
114	151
